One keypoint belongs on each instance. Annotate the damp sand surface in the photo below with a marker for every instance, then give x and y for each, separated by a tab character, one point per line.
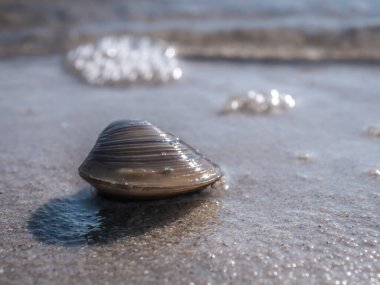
302	205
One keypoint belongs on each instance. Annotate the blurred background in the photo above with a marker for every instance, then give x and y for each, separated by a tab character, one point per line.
303	202
264	30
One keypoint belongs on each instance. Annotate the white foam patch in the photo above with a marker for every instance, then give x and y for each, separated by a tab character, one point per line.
124	60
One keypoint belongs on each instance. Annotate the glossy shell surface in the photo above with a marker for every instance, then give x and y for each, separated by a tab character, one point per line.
135	159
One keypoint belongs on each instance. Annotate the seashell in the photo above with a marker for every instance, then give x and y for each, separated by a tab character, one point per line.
135	159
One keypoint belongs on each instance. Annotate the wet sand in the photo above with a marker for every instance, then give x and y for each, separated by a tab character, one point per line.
287	217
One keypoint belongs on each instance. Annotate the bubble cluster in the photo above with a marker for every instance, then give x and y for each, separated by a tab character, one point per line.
258	102
124	60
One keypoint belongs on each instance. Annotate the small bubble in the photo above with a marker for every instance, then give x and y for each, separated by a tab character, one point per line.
304	156
170	52
275	97
373	131
289	101
232	105
111	52
374	173
177	73
257	102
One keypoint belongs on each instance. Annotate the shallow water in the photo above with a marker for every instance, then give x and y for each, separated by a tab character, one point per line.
283	220
285	30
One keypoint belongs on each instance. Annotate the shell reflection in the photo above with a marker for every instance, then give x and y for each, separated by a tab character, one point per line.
124	60
257	102
135	159
82	219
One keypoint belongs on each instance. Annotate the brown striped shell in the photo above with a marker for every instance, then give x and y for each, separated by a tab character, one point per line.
135	159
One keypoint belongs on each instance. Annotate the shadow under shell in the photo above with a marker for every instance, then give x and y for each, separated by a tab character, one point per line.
84	218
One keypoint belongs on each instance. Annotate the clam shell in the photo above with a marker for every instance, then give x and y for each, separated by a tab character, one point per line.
135	159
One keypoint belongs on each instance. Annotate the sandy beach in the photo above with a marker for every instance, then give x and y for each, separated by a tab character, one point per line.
302	205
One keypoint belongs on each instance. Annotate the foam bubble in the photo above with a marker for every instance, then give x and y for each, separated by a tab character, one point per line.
304	156
124	60
373	131
374	173
258	102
